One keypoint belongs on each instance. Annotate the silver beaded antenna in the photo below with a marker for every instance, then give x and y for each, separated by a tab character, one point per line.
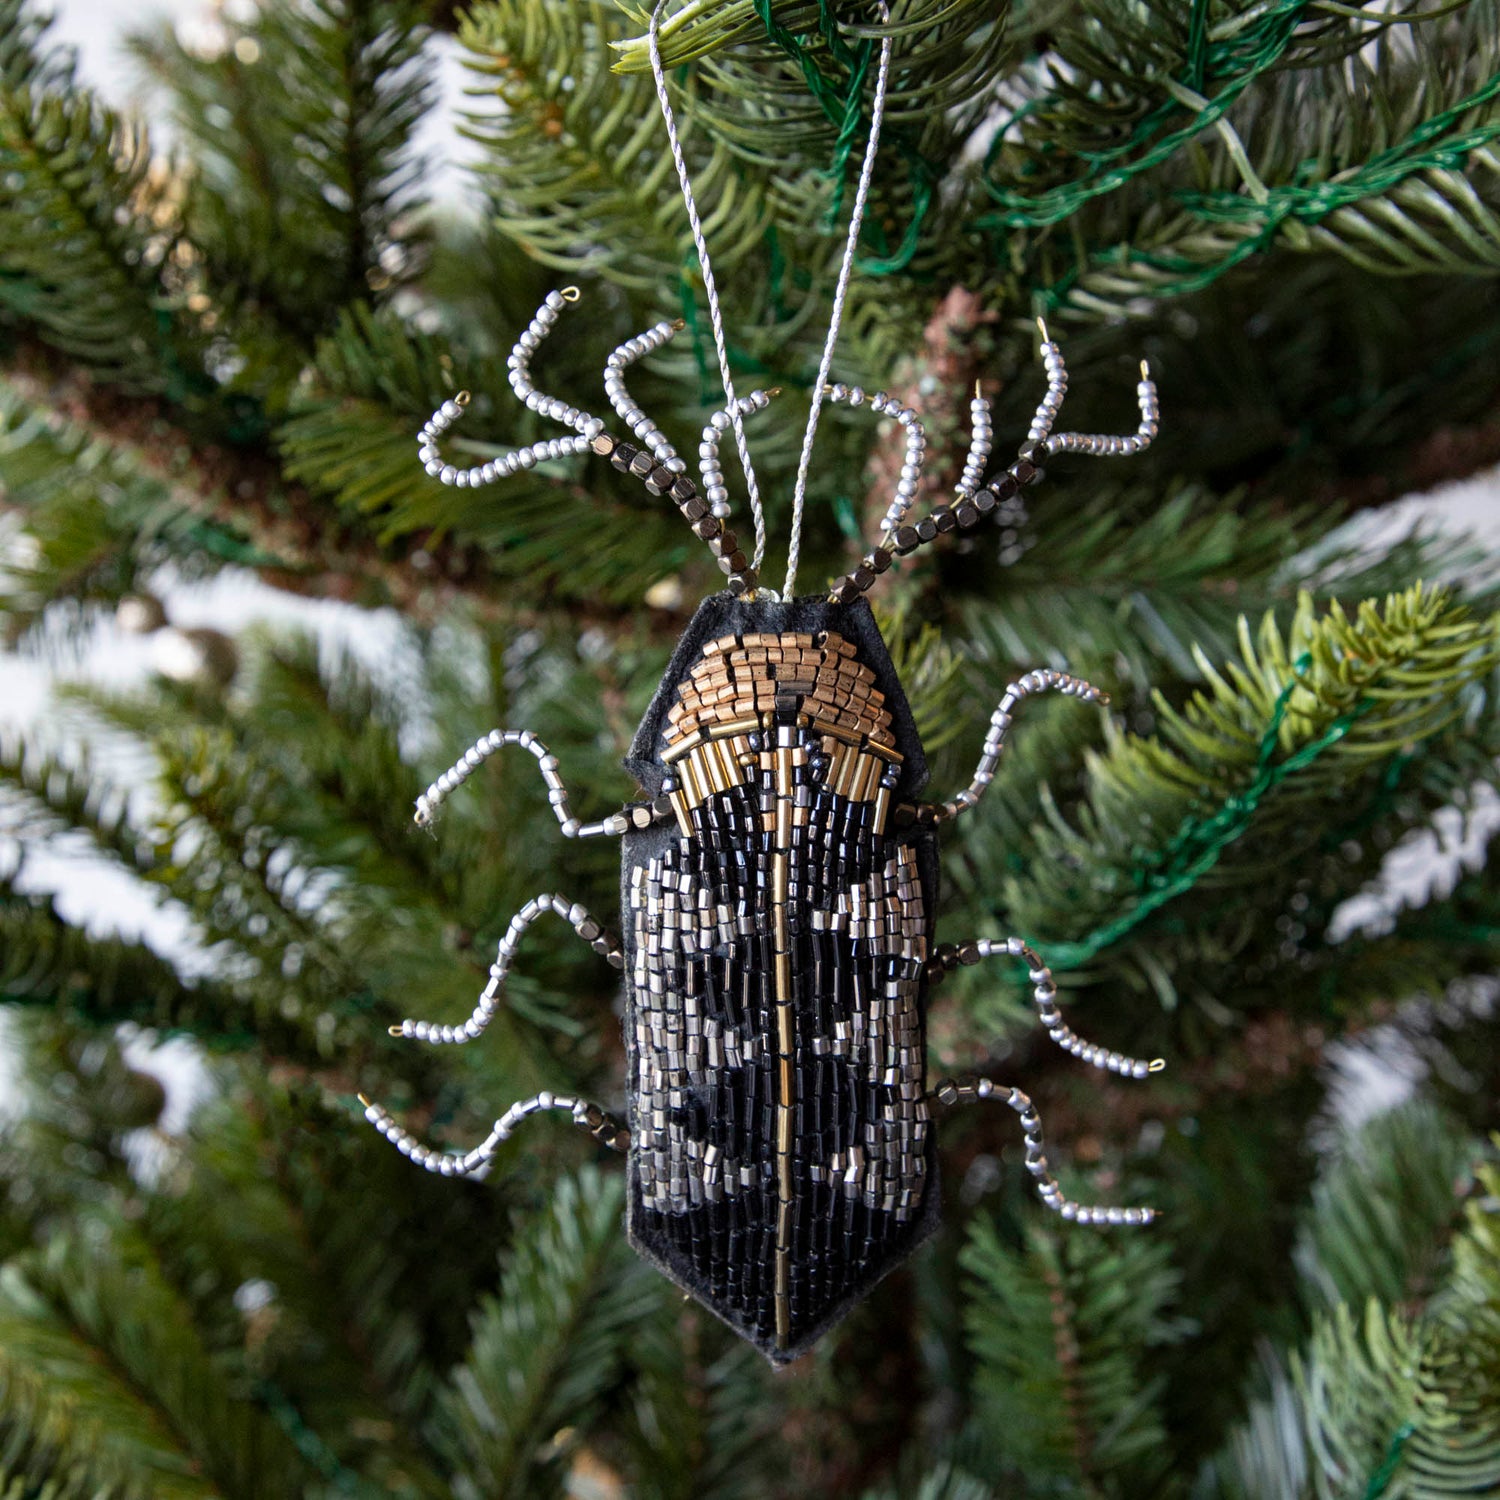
657	464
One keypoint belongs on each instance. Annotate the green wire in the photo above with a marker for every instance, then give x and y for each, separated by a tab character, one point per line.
1382	1477
844	109
1196	847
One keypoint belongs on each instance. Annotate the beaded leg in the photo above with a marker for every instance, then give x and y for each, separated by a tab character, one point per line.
632	815
626	406
660	479
916	446
709	465
1044	994
981	438
587	427
967	1090
973	502
1043	680
603	1126
489	1000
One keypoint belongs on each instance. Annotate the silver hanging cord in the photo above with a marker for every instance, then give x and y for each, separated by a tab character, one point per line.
731	402
856	219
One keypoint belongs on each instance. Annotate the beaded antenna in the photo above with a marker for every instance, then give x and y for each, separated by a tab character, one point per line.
779	875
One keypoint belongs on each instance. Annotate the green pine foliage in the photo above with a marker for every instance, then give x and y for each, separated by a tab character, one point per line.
217	356
1392	1391
1059	1334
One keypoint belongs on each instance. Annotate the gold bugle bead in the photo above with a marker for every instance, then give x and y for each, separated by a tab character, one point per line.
677	751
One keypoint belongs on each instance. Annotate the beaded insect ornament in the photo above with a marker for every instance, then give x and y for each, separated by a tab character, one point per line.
779	876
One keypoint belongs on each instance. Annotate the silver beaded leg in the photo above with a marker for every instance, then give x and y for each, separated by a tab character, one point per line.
916	446
1044	679
712	470
626	406
602	1126
1057	388
1098	445
981	437
588	427
967	1090
519	365
489	1000
1044	994
430	800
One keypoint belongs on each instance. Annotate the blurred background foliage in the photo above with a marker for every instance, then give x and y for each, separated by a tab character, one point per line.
213	359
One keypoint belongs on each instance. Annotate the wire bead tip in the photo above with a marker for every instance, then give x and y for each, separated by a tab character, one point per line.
395	1031
570	294
1156	1065
1041	324
364	1100
463	398
678	324
1145	371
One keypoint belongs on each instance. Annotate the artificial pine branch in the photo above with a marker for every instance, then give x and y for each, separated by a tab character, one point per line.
47	961
548	1349
576	172
698	1426
48	1455
105	1337
98	522
86	240
1385	1398
1223	797
304	190
1056	1330
1381	1218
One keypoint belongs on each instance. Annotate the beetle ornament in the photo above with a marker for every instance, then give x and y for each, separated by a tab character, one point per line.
779	884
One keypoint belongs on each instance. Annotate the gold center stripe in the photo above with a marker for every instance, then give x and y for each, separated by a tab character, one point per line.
786	1078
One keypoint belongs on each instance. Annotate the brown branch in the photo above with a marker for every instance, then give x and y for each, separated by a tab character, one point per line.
1065	1348
317	554
938	383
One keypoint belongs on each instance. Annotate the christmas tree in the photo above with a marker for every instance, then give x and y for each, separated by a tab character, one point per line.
215	361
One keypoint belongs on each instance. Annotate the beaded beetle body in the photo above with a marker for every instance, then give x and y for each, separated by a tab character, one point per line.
779	884
777	935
